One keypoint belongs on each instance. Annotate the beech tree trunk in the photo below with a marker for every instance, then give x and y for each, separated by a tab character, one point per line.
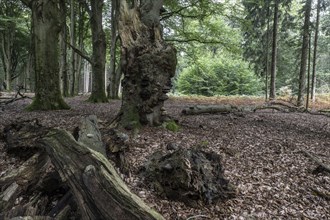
64	63
73	43
47	23
272	92
317	25
148	64
304	54
99	52
114	71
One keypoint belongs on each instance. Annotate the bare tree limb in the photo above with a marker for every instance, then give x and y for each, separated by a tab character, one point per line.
80	53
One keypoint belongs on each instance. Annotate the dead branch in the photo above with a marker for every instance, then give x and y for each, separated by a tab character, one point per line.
18	96
325	167
325	194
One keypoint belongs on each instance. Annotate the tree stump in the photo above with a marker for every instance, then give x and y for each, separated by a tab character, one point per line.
189	176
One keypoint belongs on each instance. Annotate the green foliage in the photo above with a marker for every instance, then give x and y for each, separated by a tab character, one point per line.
218	75
172	126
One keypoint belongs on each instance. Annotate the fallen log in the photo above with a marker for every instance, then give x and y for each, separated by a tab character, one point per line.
209	109
97	188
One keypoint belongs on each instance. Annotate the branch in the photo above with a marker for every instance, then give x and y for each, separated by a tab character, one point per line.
317	161
80	53
85	5
27	3
194	40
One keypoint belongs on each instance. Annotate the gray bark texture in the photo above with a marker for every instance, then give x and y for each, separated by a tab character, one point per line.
47	24
98	190
148	64
304	54
99	52
272	92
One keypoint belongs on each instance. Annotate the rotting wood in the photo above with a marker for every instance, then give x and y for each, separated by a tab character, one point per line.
325	167
209	109
325	195
89	134
97	188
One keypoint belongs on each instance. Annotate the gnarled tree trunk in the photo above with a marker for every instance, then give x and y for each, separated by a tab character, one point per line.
148	64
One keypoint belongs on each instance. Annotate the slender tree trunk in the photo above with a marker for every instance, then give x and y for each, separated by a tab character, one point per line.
7	44
47	21
99	52
309	70
304	54
113	73
272	92
267	53
148	64
73	43
317	25
64	63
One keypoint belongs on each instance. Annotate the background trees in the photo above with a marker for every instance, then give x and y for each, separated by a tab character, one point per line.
228	42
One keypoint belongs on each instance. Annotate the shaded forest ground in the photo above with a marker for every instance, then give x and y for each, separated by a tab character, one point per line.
261	154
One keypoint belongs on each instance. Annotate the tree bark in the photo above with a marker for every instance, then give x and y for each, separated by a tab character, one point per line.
64	63
317	25
97	188
272	92
304	54
148	64
73	43
99	52
47	25
209	109
114	74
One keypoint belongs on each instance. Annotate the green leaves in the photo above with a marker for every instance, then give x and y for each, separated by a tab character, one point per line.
220	75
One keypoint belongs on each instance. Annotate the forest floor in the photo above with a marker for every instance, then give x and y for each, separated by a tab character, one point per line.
261	154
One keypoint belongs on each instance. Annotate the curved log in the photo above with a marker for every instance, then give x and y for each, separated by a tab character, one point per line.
97	188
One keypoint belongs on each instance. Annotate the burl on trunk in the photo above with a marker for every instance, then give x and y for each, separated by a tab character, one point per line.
148	64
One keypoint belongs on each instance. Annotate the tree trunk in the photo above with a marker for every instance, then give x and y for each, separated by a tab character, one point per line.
7	44
99	52
304	54
148	64
267	53
47	21
114	75
308	71
317	25
73	43
97	188
272	92
64	63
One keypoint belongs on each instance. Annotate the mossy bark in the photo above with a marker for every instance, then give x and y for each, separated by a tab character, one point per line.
98	190
148	64
48	22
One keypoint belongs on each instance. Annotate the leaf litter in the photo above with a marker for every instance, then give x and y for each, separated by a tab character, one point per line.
261	155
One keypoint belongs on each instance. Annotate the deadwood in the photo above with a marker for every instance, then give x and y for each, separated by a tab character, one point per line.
209	109
18	96
323	166
97	188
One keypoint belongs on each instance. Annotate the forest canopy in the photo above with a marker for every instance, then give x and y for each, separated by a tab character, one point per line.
224	47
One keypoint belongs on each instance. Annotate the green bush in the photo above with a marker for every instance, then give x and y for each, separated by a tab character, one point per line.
218	76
